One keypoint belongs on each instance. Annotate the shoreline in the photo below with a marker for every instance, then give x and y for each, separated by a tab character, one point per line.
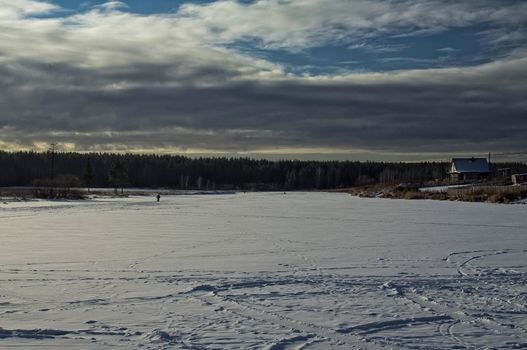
19	194
457	193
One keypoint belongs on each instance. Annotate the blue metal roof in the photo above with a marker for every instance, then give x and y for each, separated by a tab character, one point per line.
470	165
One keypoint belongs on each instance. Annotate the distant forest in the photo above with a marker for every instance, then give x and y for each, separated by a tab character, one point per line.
178	172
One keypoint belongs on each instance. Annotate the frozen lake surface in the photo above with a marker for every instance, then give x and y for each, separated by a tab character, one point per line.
262	270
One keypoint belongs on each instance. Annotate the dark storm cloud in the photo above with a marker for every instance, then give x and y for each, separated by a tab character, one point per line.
472	109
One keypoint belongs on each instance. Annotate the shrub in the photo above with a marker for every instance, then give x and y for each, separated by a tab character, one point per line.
414	195
503	198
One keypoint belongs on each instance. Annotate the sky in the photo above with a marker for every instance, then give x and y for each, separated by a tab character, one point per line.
305	79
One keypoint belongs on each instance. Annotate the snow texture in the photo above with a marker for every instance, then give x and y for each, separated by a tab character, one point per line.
262	271
442	189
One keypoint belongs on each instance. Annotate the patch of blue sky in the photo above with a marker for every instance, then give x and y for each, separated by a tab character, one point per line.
456	47
293	62
135	6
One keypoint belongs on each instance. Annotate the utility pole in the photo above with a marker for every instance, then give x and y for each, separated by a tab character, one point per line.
490	168
52	174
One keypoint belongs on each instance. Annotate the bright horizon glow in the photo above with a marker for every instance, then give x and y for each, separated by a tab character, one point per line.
302	154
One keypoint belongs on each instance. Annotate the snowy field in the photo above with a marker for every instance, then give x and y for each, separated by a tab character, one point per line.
262	271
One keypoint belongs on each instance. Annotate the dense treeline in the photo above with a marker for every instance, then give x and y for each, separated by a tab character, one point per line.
155	171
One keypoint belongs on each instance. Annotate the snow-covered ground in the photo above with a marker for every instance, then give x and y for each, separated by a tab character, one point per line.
262	270
442	189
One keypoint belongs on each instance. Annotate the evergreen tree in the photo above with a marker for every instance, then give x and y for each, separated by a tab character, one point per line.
119	170
118	176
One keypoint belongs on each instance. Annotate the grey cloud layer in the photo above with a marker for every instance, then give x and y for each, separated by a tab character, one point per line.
107	79
437	110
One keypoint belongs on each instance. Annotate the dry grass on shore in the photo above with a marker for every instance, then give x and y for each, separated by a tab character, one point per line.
412	192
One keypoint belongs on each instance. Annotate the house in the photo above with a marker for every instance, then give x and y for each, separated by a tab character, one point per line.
469	169
518	179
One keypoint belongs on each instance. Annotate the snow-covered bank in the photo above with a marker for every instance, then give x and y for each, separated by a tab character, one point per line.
262	270
441	189
28	193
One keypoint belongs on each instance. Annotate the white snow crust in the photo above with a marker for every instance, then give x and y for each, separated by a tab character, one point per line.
262	271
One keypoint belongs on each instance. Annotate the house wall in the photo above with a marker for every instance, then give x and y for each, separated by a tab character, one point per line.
468	176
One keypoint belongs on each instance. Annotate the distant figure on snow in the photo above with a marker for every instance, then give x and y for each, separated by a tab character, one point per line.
158	197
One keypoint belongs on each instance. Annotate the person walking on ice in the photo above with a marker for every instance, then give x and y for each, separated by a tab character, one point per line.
158	197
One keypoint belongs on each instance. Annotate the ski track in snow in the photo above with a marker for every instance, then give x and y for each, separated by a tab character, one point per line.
262	271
